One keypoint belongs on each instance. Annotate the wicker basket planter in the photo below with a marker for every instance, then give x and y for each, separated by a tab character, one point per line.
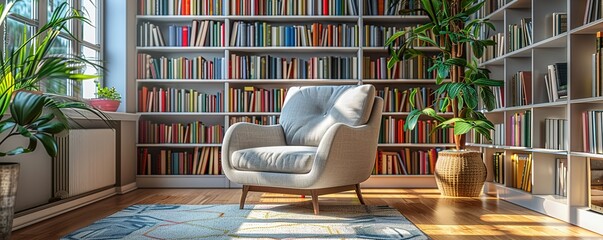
9	173
460	173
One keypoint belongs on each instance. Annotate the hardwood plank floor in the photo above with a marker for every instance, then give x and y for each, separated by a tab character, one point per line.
439	217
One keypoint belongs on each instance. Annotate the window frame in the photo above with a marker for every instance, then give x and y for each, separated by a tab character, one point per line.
41	14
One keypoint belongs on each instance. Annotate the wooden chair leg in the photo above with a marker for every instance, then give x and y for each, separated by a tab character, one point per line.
315	201
359	194
244	196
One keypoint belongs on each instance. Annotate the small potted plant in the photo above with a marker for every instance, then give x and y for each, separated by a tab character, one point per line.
107	99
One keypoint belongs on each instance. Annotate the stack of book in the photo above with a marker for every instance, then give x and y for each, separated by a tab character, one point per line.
178	100
150	35
521	129
180	7
521	88
520	35
261	120
272	67
390	7
201	161
294	7
521	177
263	34
416	68
179	68
597	64
406	162
498	138
556	135
494	51
376	36
253	99
593	11
592	131
195	132
397	100
556	81
392	131
561	183
498	167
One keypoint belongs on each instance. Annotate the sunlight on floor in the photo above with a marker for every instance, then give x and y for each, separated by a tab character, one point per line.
507	230
517	218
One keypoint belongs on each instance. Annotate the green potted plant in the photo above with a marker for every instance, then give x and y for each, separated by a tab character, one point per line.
34	115
107	99
458	172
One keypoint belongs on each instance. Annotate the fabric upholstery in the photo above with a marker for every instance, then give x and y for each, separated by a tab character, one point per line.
309	111
281	159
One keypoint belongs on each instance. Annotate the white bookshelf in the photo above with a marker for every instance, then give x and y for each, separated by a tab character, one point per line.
202	181
574	47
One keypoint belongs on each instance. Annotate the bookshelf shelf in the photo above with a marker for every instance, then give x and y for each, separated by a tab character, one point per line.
142	81
394	19
402	176
181	49
589	28
183	113
587	100
294	18
179	18
294	49
384	49
402	81
417	145
406	113
254	113
178	145
293	81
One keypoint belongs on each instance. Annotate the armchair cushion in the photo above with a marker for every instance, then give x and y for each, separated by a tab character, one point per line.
308	112
280	159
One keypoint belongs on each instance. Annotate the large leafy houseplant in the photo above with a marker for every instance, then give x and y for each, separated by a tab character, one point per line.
35	116
453	32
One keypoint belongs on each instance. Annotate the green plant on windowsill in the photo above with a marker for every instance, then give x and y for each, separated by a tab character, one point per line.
107	93
107	99
453	32
34	115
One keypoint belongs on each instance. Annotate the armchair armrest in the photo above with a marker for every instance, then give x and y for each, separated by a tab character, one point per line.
247	135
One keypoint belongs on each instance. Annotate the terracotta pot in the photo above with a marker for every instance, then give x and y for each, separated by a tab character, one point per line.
9	174
105	104
460	173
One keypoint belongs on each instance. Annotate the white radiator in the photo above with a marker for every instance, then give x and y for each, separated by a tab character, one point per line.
85	162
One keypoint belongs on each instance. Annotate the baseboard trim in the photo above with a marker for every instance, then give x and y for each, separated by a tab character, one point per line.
38	216
126	188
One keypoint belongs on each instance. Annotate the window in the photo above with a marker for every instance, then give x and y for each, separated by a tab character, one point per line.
28	15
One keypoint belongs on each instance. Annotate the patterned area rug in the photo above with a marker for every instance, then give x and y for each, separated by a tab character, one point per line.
253	222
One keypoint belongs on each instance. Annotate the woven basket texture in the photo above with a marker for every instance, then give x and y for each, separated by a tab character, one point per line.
460	173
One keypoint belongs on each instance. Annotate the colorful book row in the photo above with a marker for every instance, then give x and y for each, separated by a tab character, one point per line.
194	132
201	161
253	99
392	131
521	177
180	7
376	36
294	7
398	100
406	162
415	68
392	7
179	68
178	100
261	120
521	129
263	34
270	67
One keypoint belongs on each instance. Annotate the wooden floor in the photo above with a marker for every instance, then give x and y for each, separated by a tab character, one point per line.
439	217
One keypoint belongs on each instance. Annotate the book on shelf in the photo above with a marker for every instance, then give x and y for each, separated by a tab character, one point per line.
198	67
489	7
294	7
260	120
415	68
254	99
556	134
263	34
521	129
498	167
561	182
521	177
273	67
180	7
496	50
194	132
200	33
150	35
592	131
201	161
498	138
596	185
597	65
557	23
406	162
593	11
397	100
157	99
377	36
521	88
391	7
520	35
556	81
392	131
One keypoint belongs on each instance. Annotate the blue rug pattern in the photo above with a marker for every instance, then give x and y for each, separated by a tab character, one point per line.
253	222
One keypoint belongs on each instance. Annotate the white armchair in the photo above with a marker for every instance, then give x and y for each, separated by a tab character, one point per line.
326	142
